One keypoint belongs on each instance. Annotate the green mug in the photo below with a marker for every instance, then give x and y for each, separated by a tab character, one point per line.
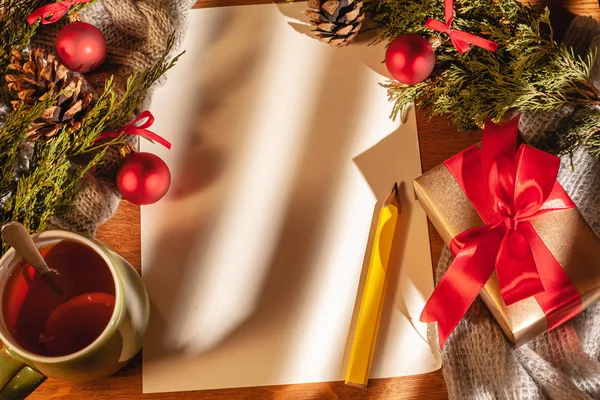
22	371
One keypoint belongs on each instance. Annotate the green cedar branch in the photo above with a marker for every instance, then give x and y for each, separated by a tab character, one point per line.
62	163
529	72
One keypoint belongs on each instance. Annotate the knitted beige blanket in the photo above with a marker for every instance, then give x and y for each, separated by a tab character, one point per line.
478	361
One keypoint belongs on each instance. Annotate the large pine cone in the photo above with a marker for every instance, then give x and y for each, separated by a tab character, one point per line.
336	22
42	77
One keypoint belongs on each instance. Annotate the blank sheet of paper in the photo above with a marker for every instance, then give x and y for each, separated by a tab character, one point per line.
282	154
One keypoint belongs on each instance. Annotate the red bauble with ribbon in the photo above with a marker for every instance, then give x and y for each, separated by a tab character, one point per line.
80	46
410	59
143	178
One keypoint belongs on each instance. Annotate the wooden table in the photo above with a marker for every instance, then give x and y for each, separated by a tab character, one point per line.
438	141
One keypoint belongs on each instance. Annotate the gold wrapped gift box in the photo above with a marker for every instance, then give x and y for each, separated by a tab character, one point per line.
566	234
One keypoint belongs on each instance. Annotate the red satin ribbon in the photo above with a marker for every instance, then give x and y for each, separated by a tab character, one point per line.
51	13
508	188
459	39
139	130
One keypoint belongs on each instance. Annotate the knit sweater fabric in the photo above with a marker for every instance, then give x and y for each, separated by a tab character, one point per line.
136	32
478	361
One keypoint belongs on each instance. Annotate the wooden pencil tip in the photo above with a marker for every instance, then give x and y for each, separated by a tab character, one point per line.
357	385
394	197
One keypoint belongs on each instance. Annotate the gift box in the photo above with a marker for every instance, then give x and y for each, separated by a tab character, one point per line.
517	238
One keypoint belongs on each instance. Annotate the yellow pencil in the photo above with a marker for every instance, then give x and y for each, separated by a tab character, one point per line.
371	305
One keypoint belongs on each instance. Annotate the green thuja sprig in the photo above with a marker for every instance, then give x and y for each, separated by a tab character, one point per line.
528	72
62	163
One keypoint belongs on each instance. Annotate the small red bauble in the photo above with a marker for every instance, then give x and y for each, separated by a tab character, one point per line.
143	178
81	47
410	59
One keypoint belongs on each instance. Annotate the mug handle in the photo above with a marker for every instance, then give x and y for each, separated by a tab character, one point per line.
17	380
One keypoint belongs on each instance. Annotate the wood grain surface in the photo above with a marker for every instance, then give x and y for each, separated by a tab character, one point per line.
438	141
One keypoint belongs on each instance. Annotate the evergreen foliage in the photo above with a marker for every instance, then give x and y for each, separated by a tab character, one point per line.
57	166
528	72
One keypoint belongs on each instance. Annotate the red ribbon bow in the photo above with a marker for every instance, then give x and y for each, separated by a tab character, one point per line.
51	13
459	39
508	189
139	130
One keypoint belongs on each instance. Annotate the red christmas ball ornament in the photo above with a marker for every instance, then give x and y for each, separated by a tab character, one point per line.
410	59
143	178
81	47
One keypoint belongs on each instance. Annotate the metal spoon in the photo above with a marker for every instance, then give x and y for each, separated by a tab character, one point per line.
17	236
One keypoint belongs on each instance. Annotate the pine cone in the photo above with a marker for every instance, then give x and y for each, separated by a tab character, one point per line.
336	22
42	77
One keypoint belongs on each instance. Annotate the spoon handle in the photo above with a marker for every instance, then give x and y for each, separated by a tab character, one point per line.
17	236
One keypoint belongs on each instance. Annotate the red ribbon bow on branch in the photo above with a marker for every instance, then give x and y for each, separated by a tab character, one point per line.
459	39
508	189
51	13
139	130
